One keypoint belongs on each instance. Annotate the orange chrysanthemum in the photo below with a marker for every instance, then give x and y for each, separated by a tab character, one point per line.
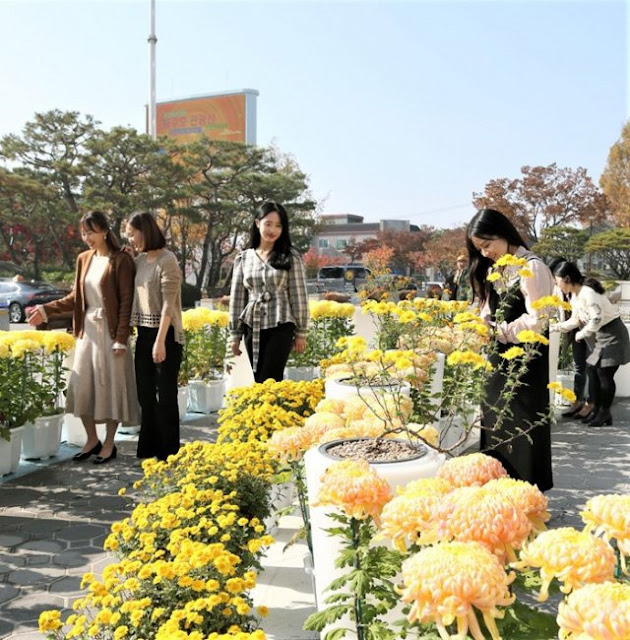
446	583
526	496
474	469
409	517
354	430
355	488
485	516
574	557
608	516
355	409
596	611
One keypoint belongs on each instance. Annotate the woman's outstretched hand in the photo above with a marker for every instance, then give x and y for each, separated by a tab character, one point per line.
35	317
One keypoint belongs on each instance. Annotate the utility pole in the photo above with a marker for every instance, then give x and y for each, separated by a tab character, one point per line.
152	42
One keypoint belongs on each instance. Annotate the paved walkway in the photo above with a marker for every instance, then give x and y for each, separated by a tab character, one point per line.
54	519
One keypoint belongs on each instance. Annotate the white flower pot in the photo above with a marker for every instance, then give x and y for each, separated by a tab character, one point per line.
566	380
73	431
206	397
10	451
298	374
41	438
182	401
326	549
341	390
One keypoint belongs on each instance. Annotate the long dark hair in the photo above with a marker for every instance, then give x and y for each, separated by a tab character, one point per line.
488	224
570	272
97	221
280	256
152	236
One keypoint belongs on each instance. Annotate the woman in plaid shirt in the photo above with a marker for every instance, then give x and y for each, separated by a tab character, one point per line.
268	299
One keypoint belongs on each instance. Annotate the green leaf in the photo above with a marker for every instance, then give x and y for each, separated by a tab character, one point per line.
526	623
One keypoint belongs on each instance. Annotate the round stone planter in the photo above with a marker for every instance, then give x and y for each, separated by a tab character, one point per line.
206	397
343	389
42	437
326	548
10	451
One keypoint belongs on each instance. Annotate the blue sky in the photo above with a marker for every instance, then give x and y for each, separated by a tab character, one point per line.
394	109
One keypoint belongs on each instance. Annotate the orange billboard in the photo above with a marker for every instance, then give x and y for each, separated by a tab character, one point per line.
223	116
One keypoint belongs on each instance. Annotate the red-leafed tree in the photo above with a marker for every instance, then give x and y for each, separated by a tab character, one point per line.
315	261
441	251
545	197
402	243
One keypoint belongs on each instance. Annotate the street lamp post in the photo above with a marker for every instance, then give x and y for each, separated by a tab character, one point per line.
152	42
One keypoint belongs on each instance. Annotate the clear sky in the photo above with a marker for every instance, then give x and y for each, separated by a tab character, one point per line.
393	109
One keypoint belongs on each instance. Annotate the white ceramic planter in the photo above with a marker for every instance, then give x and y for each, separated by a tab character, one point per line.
74	433
206	397
298	374
41	438
10	452
182	401
622	377
326	548
340	390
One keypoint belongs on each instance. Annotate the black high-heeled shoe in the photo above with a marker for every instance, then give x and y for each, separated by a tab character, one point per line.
101	460
602	419
590	416
84	455
572	412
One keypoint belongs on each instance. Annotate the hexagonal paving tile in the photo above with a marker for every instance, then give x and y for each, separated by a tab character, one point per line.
7	592
28	608
78	557
67	585
45	546
29	577
11	540
79	532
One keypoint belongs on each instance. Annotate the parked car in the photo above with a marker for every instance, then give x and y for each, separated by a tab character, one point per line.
343	277
18	296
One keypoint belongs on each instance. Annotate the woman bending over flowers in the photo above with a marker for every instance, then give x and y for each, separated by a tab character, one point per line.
507	279
269	300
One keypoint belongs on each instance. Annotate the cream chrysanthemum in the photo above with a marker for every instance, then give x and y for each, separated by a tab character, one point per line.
527	496
445	583
289	444
598	611
574	557
608	516
331	405
472	470
485	516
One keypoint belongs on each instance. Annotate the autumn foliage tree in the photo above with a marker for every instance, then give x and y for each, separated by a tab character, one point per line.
615	181
545	197
441	251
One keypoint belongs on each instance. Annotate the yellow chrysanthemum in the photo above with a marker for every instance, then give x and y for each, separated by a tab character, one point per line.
608	516
550	302
485	516
493	277
27	345
474	469
355	488
447	582
525	273
529	336
331	405
513	352
50	621
567	394
58	341
289	444
574	557
427	432
598	611
528	497
510	260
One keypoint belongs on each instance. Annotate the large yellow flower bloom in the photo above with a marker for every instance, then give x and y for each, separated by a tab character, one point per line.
58	340
609	516
474	469
529	336
355	488
596	611
447	582
576	558
289	444
485	516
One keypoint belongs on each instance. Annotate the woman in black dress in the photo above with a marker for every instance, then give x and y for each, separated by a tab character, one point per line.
506	305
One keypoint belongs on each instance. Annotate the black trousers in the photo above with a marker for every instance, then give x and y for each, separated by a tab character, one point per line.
581	382
275	346
157	393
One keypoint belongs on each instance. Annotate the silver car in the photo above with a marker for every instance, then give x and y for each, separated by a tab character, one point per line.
18	296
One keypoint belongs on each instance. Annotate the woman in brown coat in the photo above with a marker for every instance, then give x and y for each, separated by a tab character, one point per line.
102	386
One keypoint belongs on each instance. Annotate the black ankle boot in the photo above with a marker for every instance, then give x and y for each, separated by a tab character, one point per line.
590	416
602	419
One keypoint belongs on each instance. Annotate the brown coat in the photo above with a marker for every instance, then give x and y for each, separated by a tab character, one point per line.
118	290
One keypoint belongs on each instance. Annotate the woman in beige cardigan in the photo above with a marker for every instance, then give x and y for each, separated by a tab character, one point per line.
102	386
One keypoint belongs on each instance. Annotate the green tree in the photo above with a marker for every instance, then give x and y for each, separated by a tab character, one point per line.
545	197
126	171
613	247
561	241
226	182
615	180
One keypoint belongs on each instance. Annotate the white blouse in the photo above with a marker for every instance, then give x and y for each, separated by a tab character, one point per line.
590	311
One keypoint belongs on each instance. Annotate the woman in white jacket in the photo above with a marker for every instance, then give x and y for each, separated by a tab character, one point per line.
599	324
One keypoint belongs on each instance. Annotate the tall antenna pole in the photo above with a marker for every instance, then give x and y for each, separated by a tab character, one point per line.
152	42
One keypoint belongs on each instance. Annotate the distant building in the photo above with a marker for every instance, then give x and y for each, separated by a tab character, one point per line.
338	230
